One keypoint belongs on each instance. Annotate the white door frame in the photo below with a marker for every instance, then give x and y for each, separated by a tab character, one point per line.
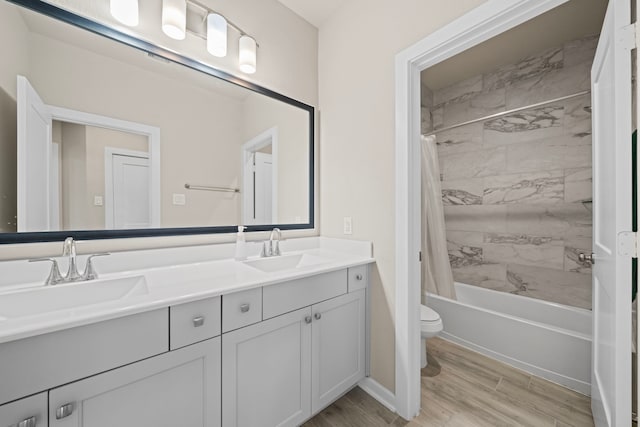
480	24
270	136
109	152
152	133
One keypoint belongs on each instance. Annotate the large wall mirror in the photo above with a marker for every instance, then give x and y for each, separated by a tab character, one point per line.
103	135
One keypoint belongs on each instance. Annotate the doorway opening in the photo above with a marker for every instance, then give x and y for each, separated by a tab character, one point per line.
260	179
480	25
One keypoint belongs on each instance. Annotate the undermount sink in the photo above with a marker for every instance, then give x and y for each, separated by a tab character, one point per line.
285	262
46	299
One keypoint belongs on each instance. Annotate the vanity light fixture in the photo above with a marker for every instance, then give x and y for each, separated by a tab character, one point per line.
217	35
174	18
247	55
174	25
125	11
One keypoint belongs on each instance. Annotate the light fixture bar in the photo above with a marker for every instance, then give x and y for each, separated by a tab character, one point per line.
207	11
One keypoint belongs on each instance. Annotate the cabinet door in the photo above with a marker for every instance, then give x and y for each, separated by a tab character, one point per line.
179	388
338	347
28	412
266	379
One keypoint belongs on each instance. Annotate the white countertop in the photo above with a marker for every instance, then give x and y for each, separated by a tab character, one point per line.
170	284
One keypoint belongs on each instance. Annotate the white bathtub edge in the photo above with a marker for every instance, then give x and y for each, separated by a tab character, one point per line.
572	383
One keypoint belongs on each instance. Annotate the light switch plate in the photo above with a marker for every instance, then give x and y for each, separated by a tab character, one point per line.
348	229
98	201
179	199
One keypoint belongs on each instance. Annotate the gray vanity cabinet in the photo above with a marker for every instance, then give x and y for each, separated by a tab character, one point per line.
267	372
281	371
338	347
178	388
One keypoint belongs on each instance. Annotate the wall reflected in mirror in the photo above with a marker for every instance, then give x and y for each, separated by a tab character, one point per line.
79	146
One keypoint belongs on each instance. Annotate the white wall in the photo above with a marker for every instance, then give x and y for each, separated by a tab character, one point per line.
356	54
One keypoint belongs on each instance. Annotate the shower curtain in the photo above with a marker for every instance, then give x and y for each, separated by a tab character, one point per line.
437	277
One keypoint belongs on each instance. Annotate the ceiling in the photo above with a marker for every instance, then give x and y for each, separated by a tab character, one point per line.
316	12
570	21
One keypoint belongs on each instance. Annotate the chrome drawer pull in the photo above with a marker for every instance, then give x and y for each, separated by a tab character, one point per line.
318	316
307	319
28	422
198	321
358	276
64	411
244	308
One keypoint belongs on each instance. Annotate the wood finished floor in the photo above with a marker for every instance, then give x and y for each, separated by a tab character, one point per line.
461	388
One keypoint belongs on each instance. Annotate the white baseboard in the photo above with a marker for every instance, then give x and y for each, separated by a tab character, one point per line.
378	392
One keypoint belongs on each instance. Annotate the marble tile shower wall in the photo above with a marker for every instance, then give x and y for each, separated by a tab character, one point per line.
516	188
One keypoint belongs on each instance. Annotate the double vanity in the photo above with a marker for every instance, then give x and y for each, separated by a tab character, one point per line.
187	337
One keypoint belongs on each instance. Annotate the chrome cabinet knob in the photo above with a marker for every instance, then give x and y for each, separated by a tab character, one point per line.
27	422
358	276
64	411
244	308
586	258
307	319
198	321
318	316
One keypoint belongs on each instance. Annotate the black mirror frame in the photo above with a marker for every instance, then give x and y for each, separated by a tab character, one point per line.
103	30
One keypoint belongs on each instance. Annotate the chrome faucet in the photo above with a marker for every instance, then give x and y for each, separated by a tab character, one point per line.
69	249
272	246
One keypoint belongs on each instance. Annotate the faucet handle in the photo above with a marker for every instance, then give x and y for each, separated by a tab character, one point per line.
90	272
54	275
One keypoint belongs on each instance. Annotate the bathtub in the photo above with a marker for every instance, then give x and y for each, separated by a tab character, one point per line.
546	339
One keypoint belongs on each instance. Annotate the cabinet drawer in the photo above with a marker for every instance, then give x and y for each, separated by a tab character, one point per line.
194	321
25	411
241	309
38	363
358	277
292	295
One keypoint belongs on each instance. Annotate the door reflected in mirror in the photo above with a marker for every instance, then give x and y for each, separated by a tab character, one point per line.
107	137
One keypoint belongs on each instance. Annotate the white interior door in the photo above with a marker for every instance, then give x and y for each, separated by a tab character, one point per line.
34	160
258	189
130	192
612	220
263	188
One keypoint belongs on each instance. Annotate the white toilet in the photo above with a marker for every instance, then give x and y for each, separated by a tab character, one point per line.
430	326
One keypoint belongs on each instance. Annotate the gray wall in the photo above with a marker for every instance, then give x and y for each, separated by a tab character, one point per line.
514	187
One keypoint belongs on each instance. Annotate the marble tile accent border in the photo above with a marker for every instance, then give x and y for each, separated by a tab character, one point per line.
524	250
547	154
556	83
481	218
487	275
534	66
465	138
457	92
528	120
578	186
535	188
464	248
562	221
551	285
513	186
470	164
462	192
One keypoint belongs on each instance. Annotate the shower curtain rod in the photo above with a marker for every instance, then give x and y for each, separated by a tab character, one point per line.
505	113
